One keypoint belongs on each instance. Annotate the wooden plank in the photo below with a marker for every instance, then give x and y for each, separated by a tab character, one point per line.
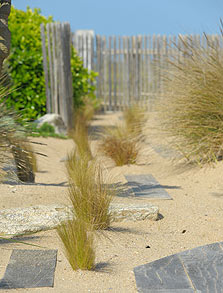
120	75
50	65
109	74
66	101
45	68
105	79
115	75
55	97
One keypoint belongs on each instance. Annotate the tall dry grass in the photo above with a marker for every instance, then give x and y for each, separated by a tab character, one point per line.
78	240
121	144
88	193
192	109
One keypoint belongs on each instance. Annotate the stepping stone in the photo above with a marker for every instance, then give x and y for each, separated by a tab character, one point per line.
196	270
165	151
147	186
30	269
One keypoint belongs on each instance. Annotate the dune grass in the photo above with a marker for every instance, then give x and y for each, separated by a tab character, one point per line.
78	240
121	144
88	193
192	110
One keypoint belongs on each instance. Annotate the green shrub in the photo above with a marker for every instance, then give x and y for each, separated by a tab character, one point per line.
83	81
25	63
25	66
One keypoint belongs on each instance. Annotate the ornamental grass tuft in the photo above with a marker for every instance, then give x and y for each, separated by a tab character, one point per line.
121	144
192	109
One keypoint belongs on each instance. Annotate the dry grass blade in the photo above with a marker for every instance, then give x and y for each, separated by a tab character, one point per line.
78	239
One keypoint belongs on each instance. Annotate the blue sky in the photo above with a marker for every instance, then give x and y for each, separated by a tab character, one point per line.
133	17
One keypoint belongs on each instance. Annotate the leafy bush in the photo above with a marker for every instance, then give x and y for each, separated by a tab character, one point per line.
25	66
25	63
83	81
192	111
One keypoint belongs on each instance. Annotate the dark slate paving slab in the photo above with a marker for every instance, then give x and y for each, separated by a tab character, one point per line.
204	266
165	152
30	269
196	270
146	186
164	274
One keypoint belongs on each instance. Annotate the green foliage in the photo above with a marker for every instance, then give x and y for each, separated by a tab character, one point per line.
25	63
83	81
45	130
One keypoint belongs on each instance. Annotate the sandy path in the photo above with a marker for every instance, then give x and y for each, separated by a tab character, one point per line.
197	208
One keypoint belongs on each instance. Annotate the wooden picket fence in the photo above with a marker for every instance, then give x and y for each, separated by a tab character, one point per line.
132	69
56	45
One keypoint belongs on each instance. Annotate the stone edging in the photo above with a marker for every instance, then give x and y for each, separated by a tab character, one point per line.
17	221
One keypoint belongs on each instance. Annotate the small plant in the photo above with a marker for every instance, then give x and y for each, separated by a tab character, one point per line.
24	161
122	143
120	146
80	135
89	195
78	240
134	118
192	111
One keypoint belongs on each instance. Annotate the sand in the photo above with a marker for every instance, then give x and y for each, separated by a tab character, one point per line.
192	218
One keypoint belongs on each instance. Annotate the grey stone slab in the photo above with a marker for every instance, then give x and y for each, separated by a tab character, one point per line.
30	269
163	275
204	266
196	270
146	186
165	151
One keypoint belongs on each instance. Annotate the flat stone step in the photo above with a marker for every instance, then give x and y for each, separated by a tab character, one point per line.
165	151
145	185
196	270
30	269
18	221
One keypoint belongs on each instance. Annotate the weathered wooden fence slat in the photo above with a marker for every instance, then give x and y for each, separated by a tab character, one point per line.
57	68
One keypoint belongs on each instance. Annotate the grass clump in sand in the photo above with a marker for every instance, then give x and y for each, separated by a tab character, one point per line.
121	144
78	240
90	198
192	109
89	195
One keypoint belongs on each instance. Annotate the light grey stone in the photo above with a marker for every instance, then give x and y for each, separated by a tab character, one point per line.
55	120
17	221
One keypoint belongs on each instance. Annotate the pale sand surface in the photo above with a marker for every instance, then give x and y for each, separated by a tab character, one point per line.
197	207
